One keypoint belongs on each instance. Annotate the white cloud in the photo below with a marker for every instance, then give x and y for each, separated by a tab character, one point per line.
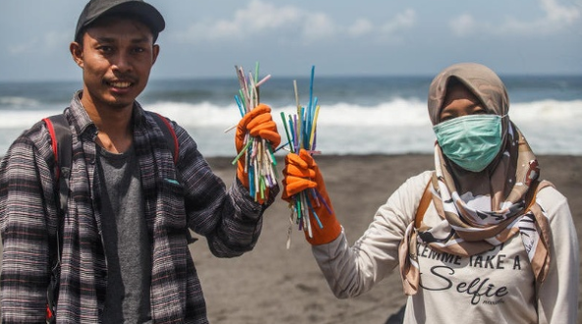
260	18
360	27
557	13
257	17
318	26
403	20
261	15
463	25
556	17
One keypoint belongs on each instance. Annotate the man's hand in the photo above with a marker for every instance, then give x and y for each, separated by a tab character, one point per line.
257	123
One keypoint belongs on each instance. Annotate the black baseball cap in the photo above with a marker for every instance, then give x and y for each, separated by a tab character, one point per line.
136	8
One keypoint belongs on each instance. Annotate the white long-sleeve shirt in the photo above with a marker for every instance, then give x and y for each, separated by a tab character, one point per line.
493	287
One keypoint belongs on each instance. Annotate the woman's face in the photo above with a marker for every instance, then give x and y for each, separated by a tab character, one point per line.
459	102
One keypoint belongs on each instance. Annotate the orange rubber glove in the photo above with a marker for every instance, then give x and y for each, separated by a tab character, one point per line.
258	123
301	173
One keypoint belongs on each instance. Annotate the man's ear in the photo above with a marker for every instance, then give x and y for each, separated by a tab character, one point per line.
155	52
77	53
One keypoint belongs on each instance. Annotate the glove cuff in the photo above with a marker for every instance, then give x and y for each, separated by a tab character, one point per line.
330	231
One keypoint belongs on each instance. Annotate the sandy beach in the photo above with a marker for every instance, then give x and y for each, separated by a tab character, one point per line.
273	284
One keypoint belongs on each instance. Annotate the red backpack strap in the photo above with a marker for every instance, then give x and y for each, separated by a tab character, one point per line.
170	135
51	129
61	144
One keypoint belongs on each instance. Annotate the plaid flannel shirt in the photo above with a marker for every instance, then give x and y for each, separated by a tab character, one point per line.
177	197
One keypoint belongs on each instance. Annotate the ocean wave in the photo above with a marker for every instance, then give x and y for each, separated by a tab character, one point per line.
398	111
401	112
392	127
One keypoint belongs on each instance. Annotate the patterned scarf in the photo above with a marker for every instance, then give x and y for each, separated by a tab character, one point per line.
513	183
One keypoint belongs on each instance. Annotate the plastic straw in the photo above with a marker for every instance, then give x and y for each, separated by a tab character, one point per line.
301	131
260	161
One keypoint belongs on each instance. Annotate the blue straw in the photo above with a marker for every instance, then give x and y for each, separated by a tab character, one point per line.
311	86
240	105
314	213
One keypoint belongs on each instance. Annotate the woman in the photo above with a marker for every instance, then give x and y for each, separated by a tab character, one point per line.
479	238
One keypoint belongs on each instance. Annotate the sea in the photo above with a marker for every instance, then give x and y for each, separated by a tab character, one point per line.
357	115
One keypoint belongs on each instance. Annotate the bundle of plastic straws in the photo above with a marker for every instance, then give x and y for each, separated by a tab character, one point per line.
301	131
260	163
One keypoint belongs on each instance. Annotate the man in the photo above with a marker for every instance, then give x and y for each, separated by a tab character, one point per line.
124	236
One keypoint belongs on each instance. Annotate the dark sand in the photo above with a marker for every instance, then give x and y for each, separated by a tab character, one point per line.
274	285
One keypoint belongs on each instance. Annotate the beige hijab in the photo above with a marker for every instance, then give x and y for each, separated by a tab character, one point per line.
510	182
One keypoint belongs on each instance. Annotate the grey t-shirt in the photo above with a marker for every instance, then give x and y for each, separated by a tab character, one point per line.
125	238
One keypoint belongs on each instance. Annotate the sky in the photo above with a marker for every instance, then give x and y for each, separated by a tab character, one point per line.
207	38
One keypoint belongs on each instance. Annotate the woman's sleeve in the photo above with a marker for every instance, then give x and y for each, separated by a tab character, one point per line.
351	271
558	295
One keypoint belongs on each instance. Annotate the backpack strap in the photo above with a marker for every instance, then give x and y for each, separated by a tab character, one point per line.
169	134
62	144
423	205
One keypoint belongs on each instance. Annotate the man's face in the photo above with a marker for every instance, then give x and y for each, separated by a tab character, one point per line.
116	57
